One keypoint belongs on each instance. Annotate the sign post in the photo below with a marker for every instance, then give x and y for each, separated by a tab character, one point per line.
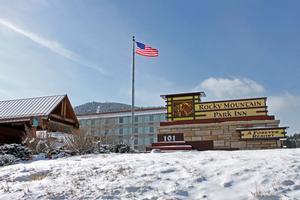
132	92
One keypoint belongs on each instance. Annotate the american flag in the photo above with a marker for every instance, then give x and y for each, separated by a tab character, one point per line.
146	50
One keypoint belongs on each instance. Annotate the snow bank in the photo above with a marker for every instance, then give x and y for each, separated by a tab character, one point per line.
262	174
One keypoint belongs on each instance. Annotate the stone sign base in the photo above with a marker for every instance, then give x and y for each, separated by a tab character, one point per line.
222	135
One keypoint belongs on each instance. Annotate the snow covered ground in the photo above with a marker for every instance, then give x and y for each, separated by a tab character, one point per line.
262	174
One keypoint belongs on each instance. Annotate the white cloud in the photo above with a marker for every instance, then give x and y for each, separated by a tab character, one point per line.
283	103
286	107
230	87
53	46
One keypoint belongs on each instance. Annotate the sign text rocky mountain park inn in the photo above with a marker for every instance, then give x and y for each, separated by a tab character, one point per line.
231	108
233	104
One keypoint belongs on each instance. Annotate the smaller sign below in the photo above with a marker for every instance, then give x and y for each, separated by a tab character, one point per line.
264	133
170	137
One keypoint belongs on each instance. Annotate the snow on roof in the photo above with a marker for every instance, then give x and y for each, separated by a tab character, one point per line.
11	110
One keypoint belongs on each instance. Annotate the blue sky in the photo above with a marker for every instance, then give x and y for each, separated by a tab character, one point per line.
229	49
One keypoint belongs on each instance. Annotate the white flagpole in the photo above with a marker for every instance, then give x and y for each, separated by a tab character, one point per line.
132	92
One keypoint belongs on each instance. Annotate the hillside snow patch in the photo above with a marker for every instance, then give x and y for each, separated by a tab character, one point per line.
259	174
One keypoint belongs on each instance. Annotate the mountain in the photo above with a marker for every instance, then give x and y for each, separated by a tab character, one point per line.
94	107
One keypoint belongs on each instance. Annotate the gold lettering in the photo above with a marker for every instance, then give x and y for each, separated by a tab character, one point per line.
240	104
240	113
274	133
224	114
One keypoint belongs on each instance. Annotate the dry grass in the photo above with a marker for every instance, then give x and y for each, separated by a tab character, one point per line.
38	176
80	142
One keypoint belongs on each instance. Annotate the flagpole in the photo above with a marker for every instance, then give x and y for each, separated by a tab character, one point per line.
132	92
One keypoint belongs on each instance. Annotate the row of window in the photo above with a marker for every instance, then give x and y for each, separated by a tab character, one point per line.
111	126
123	120
121	131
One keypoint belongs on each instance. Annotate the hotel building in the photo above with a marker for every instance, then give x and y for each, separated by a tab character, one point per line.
115	127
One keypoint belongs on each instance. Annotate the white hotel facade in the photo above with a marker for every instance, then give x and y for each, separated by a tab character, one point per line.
115	127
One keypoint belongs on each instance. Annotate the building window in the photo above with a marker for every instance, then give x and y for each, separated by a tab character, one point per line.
126	131
151	140
151	118
120	130
136	141
136	130
146	129
157	118
106	132
151	129
121	120
140	131
136	118
127	120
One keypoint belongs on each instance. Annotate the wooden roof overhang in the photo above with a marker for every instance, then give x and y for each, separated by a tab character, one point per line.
55	108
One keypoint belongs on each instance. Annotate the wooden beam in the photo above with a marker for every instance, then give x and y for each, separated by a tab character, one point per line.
62	118
65	108
62	124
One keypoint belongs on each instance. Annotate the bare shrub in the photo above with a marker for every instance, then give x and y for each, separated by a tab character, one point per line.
39	145
80	142
28	139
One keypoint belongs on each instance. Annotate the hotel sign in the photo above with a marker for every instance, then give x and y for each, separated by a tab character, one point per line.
189	107
170	137
231	108
263	133
232	104
182	106
231	113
